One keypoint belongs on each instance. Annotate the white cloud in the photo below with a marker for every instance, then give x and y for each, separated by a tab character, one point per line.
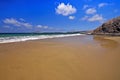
65	10
21	23
21	19
85	18
45	27
71	17
26	24
39	26
11	21
91	11
15	22
102	5
94	18
42	27
85	6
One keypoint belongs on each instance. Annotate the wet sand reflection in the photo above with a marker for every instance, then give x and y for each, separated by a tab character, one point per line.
106	43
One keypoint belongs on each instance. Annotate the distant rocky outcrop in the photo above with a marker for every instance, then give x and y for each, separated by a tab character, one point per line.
111	27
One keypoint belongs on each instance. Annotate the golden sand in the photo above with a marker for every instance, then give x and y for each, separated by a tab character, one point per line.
72	58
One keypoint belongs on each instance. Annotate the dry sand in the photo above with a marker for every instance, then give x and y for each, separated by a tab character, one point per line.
71	58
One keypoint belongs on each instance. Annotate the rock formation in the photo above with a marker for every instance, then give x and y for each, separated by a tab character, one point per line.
111	27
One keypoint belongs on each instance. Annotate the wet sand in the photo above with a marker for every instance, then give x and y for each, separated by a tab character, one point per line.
71	58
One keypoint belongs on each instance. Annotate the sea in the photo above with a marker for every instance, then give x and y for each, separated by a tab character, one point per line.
18	37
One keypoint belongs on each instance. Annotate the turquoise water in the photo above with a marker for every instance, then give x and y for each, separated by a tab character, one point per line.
17	37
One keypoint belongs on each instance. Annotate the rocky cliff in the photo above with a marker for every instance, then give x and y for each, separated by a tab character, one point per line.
111	27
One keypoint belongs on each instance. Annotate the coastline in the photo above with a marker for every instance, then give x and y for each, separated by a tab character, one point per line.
20	37
69	58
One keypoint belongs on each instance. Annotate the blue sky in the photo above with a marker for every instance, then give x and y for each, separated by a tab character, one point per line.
55	15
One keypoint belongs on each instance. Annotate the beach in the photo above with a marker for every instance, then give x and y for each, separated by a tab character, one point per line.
83	57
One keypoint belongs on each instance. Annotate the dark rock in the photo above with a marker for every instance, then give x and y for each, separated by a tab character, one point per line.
111	27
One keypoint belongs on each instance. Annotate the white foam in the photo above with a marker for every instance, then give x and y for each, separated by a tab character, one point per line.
26	38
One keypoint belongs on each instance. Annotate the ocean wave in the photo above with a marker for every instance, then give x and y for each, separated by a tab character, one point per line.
26	38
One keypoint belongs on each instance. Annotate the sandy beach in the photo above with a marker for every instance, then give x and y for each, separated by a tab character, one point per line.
83	57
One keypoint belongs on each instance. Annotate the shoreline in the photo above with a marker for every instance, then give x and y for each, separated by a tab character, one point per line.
28	37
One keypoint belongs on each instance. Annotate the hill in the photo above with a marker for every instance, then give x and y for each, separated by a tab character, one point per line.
111	27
